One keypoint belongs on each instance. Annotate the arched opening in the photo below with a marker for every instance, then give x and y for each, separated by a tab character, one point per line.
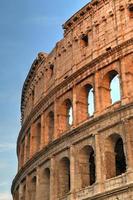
32	97
22	148
85	102
90	100
120	160
64	176
51	126
110	89
115	89
87	174
51	70
33	188
69	112
84	40
45	185
115	156
38	135
28	145
130	8
24	192
92	167
65	115
44	182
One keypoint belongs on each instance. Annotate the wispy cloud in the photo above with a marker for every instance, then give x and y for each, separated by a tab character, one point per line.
5	196
7	146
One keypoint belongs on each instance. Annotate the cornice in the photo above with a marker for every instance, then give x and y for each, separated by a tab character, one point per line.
89	8
35	65
74	79
94	125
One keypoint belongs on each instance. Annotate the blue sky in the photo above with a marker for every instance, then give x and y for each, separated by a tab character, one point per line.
26	28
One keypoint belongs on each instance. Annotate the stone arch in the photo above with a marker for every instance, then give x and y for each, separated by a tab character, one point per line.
90	99
114	156
86	166
85	102
28	145
22	152
33	188
64	176
69	112
66	115
120	160
45	184
22	190
107	92
50	126
115	89
38	135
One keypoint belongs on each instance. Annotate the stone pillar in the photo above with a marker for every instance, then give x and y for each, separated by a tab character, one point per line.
81	111
20	191
62	124
128	132
38	183
53	179
72	172
32	184
42	131
124	88
100	172
105	98
21	155
56	122
27	194
25	148
46	136
74	104
41	189
97	93
16	194
32	140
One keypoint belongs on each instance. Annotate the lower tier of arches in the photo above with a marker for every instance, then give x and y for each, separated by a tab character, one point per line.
95	159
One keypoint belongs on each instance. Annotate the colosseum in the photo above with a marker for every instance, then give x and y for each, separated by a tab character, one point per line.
76	139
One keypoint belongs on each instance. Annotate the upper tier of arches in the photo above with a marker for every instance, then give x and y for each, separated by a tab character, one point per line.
89	38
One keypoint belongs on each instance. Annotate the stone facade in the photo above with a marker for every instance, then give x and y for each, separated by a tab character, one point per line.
67	150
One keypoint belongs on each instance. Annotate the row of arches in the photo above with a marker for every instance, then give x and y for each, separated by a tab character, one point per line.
85	103
85	168
85	107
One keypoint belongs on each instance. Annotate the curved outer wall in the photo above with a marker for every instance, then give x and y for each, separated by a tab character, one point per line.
65	152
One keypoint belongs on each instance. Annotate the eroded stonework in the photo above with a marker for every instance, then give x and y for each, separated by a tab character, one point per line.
70	147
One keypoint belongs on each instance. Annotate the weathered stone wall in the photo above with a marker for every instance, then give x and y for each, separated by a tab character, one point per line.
65	152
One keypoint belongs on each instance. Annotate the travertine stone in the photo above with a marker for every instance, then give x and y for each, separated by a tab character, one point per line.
64	151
